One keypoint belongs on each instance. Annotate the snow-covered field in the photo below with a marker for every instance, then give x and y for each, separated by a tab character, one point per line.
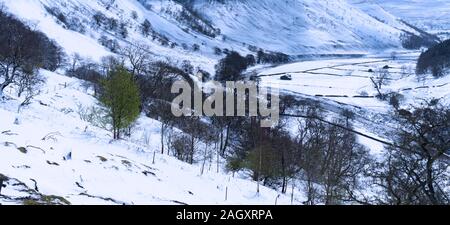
101	171
346	84
349	80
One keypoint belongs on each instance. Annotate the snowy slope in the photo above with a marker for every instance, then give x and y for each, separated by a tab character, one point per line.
378	11
101	171
294	27
297	27
375	10
34	14
345	84
86	43
432	16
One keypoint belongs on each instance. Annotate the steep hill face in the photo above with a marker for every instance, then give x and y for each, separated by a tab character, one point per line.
412	30
432	16
194	30
296	27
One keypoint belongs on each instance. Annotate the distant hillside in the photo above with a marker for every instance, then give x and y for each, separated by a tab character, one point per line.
202	30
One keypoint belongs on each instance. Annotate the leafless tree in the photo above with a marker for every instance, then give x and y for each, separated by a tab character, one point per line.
137	56
381	78
28	86
331	159
406	71
416	171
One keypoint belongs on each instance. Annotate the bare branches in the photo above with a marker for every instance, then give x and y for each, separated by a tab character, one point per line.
137	56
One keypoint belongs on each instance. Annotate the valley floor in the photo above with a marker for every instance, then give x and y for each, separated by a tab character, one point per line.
348	80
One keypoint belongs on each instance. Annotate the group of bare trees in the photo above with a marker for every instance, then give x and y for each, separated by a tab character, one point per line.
327	159
23	51
324	158
415	170
435	60
230	68
331	160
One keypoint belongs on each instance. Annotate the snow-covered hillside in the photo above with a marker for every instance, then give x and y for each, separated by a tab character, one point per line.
80	34
432	16
34	154
293	27
297	27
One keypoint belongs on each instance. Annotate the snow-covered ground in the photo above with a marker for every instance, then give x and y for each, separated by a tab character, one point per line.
349	80
301	27
293	27
346	84
35	143
101	171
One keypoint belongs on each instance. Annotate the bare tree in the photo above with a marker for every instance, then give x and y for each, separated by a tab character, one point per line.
75	61
208	139
160	109
415	172
394	55
29	84
180	145
381	78
331	159
406	71
137	56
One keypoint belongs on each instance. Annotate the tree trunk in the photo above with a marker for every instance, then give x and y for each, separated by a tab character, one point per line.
204	159
225	144
430	181
218	160
211	157
378	88
259	170
292	192
1	185
283	168
169	141
260	159
1	92
221	142
226	193
191	160
162	138
284	185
